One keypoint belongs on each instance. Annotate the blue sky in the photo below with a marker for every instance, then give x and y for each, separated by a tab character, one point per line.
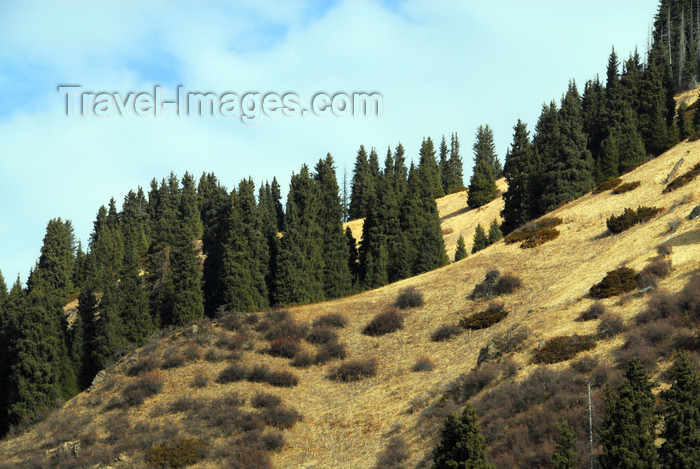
441	66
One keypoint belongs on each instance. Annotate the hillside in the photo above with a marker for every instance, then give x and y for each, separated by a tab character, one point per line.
349	424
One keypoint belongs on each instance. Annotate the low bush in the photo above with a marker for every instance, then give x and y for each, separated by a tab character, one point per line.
409	297
594	311
273	441
585	364
664	250
336	320
233	343
471	383
265	400
282	379
562	348
395	453
607	185
231	321
200	380
535	233
138	390
321	335
173	359
215	356
616	282
384	323
610	325
302	360
330	351
280	417
192	351
355	370
258	374
446	332
423	364
287	328
626	187
285	347
658	268
510	340
673	225
494	314
506	284
142	365
630	217
232	373
484	290
683	179
179	452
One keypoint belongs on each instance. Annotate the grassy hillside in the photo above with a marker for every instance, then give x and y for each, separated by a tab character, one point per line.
349	424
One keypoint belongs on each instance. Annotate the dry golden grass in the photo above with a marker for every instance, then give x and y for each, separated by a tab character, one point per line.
349	424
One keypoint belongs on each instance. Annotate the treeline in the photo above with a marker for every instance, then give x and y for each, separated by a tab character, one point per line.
677	32
188	249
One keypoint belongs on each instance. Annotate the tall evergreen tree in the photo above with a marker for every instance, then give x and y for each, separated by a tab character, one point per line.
277	199
564	456
444	165
484	148
430	246
461	251
235	277
546	143
593	112
362	186
480	239
6	336
257	244
189	212
353	260
455	176
188	302
270	232
681	413
495	233
518	172
461	443
430	170
482	185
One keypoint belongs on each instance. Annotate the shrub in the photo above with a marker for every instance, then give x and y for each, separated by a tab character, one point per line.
258	374
330	351
535	233
273	441
336	320
585	364
280	417
287	328
145	386
506	284
683	179
471	383
233	343
629	218
485	288
281	378
200	380
285	347
302	360
231	321
508	367
264	399
562	348
673	225
446	332
660	306
409	297
610	325
594	311
540	237
321	335
616	282
215	356
173	360
494	314
355	370
626	187
664	250
423	364
184	404
384	323
179	452
394	454
510	340
232	373
142	365
607	185
192	351
658	268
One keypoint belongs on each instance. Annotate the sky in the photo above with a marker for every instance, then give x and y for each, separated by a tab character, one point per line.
440	67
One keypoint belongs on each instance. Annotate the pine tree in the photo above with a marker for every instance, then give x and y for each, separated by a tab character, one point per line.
277	199
270	231
546	144
495	233
484	148
188	302
609	161
6	336
652	113
189	212
461	251
430	244
461	443
257	244
480	239
444	165
518	172
681	413
430	170
235	275
482	185
362	186
353	261
455	176
564	456
593	112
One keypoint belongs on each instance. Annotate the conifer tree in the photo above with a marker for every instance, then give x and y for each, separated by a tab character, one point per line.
430	170
546	144
482	185
189	212
269	229
593	112
609	161
235	277
685	125
681	413
188	302
461	251
461	443
257	244
564	456
480	239
484	148
495	233
455	176
444	165
353	261
518	172
653	124
6	336
430	244
277	199
362	186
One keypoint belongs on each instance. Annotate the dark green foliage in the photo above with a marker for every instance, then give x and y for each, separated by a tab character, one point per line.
430	170
562	348
681	413
626	187
461	444
461	251
384	323
685	125
683	179
363	186
615	282
188	302
179	452
480	239
628	429
258	262
608	164
494	314
482	185
495	234
409	297
451	172
518	172
630	217
535	233
353	259
564	456
354	370
607	185
484	148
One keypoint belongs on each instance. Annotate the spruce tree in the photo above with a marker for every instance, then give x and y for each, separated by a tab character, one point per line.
685	125
653	125
518	172
430	247
564	456
546	144
480	239
455	176
257	244
461	443
277	199
188	302
593	112
495	233
609	161
444	167
430	170
235	276
362	186
353	261
482	185
484	148
189	212
461	251
6	336
681	414
270	231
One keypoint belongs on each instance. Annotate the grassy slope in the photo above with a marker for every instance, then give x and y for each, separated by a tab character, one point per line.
348	425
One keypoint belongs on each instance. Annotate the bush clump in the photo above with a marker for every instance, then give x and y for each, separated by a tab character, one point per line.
336	320
562	348
145	386
322	334
282	379
658	268
287	328
384	323
616	282
594	311
142	365
200	380
610	325
179	452
173	359
494	314
409	297
630	217
265	400
280	417
506	284
683	179
446	332
232	373
626	187
302	360
535	233
423	364
394	454
355	370
285	347
471	383
607	185
330	351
